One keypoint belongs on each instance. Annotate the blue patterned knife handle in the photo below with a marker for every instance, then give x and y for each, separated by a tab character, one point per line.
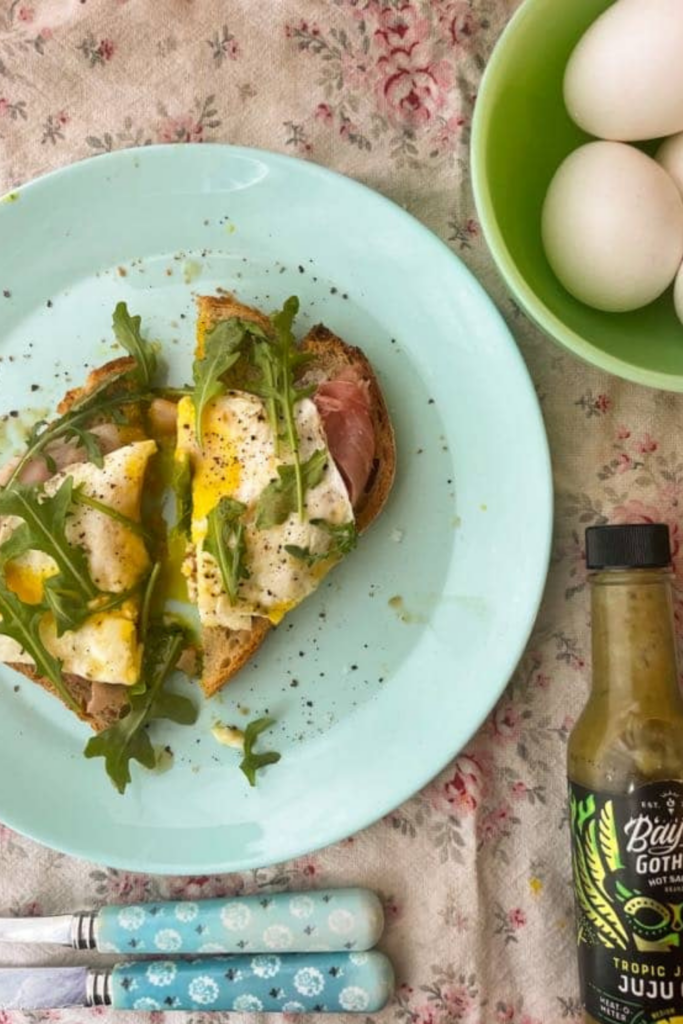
268	983
284	922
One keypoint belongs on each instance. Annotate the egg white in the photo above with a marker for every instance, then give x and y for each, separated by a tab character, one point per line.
105	648
238	460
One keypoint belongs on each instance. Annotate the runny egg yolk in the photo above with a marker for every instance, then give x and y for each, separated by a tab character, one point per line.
277	612
27	581
204	325
217	473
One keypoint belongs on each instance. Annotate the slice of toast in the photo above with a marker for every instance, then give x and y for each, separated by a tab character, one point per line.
227	650
95	379
114	706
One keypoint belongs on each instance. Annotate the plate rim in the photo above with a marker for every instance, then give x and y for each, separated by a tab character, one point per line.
400	795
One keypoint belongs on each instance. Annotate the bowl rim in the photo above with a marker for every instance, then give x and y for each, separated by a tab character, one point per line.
531	304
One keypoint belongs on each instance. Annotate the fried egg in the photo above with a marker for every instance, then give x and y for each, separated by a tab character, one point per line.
238	460
105	648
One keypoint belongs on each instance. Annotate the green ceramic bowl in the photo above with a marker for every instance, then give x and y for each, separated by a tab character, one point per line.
521	133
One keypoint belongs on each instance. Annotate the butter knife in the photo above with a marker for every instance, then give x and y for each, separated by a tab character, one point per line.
315	921
264	983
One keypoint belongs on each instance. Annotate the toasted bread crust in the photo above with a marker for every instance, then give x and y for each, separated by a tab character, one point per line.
93	380
212	308
226	650
80	689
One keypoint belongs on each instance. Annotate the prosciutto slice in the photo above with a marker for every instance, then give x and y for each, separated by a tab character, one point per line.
108	697
344	407
65	453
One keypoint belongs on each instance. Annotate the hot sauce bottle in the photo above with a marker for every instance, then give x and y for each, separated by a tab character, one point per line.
625	767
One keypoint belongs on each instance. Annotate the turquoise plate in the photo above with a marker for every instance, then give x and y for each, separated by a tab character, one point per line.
380	677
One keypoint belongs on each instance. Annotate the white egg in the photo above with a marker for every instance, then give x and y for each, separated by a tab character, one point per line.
678	294
612	226
670	156
624	80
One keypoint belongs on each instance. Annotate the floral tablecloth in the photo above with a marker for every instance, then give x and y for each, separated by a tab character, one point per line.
474	871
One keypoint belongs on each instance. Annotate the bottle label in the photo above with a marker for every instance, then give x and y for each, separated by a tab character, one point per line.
627	858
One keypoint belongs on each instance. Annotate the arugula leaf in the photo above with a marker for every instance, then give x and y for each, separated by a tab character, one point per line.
21	622
264	360
181	482
68	592
278	358
118	416
147	601
16	545
291	359
80	498
344	538
251	762
222	349
144	619
91	445
92	400
281	496
73	423
127	332
108	602
173	394
128	739
67	609
225	540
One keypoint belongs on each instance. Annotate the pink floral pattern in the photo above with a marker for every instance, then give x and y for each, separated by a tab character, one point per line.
190	126
394	67
473	871
97	51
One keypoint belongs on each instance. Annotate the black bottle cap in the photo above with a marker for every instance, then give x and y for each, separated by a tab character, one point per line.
634	546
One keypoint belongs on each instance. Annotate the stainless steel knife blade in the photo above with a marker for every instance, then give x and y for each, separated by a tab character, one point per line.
43	988
37	929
